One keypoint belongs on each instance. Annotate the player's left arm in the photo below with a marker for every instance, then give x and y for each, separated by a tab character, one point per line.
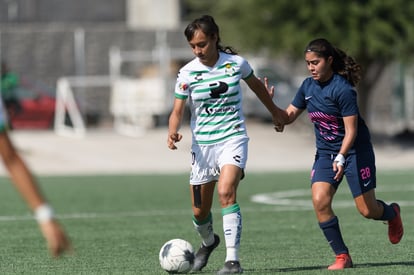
265	95
351	130
262	91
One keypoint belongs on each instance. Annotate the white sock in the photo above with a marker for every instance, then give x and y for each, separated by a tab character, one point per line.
205	230
232	227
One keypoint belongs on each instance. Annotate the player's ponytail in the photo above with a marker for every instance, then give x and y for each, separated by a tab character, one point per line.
209	27
346	66
342	63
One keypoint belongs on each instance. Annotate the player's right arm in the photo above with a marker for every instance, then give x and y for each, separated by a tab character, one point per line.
174	123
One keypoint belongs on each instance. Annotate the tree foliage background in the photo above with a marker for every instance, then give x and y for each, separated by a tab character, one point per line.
375	32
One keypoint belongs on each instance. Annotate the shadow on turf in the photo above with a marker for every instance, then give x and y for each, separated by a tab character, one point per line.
304	268
385	264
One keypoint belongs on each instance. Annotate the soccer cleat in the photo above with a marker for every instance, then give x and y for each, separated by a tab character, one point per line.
202	255
342	261
231	267
395	226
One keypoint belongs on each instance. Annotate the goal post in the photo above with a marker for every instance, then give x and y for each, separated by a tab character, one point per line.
133	103
66	104
133	100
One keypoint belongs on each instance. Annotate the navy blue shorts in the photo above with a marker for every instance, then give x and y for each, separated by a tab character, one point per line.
360	171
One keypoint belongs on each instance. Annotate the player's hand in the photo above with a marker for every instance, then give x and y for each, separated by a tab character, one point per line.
57	241
339	169
270	90
278	122
279	128
172	139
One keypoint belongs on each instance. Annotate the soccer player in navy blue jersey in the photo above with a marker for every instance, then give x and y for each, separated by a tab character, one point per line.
343	144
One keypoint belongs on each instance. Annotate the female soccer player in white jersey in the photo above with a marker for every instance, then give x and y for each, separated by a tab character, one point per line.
343	145
56	239
211	84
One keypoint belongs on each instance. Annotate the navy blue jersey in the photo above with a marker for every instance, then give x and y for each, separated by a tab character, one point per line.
327	103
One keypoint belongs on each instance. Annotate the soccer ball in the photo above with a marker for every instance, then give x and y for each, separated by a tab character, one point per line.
177	256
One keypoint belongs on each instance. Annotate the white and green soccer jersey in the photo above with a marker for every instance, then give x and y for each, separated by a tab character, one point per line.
215	97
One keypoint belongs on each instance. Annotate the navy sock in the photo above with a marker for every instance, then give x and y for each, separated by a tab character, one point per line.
388	213
333	235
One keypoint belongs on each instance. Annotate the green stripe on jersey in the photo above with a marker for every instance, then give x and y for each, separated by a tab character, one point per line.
212	80
220	104
213	132
221	96
213	141
206	90
219	114
218	122
198	72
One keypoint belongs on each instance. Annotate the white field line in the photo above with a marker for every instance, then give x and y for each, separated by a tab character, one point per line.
281	201
145	213
295	197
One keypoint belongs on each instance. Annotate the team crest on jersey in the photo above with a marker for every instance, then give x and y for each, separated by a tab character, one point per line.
229	70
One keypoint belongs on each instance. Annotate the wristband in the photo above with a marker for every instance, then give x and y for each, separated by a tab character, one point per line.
43	213
340	159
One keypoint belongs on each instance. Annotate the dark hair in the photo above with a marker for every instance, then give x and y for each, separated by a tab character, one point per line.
209	27
342	63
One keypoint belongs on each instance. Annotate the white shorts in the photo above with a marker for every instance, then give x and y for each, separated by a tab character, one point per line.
206	161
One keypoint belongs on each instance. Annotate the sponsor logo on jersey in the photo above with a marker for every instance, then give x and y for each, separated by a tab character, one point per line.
217	89
211	110
199	77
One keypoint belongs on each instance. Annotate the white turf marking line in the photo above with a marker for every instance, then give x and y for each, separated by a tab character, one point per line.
287	198
283	201
149	213
102	215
